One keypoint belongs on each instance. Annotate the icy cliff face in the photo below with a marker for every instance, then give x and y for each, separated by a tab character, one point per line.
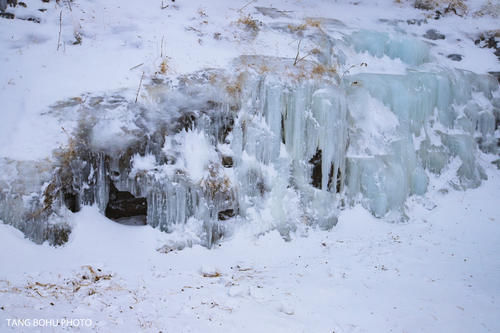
276	143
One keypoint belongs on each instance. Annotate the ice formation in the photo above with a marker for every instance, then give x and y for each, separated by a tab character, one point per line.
270	143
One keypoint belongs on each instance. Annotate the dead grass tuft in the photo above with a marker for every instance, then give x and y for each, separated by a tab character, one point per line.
457	7
88	282
234	88
313	23
264	69
297	28
249	23
164	66
216	183
322	70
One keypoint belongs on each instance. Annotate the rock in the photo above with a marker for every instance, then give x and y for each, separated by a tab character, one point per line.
433	34
443	191
272	12
6	15
227	161
424	4
456	7
226	214
57	234
123	204
497	163
418	22
455	57
489	40
186	121
33	19
4	3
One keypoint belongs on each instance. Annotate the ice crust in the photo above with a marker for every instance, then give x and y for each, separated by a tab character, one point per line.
300	146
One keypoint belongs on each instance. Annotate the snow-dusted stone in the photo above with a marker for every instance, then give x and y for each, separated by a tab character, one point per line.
433	34
455	57
424	4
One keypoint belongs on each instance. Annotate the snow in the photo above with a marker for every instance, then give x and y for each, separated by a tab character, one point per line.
146	162
437	271
198	154
32	65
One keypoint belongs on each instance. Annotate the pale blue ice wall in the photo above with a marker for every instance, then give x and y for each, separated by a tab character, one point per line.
301	145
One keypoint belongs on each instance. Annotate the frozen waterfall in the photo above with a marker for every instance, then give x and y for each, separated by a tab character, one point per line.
270	143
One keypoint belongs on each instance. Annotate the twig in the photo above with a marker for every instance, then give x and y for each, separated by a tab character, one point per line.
136	66
246	5
190	28
298	51
351	67
307	55
60	29
347	70
139	89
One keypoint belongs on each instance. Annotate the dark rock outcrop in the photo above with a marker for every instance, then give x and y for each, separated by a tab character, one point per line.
124	204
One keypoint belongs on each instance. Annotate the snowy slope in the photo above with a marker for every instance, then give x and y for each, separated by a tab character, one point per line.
32	65
437	272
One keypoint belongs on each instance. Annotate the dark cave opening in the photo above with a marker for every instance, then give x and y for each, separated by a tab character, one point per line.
317	173
123	207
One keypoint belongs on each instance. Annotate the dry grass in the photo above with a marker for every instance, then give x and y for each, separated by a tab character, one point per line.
234	88
264	69
164	66
87	282
309	23
297	28
51	192
490	9
216	183
457	7
313	23
315	51
202	12
322	70
249	23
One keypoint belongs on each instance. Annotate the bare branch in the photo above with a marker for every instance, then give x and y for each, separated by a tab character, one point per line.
139	89
136	66
60	29
246	5
298	52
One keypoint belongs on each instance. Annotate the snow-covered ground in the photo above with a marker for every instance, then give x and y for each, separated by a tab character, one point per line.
437	272
39	66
